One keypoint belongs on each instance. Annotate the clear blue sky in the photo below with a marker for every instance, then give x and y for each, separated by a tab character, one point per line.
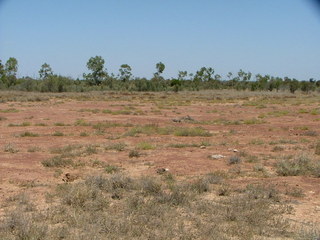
277	37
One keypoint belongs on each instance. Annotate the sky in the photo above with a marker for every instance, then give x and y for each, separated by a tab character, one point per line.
276	37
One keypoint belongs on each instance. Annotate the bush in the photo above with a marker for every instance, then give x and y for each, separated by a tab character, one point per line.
234	160
134	153
300	165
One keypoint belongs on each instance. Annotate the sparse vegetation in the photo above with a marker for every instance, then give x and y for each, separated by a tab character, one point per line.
120	146
58	134
299	165
234	160
57	161
134	153
255	212
317	150
10	148
29	134
174	191
145	146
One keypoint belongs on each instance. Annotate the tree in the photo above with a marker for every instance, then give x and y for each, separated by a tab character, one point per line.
208	73
293	85
176	84
160	68
45	71
125	72
96	65
2	72
11	67
182	75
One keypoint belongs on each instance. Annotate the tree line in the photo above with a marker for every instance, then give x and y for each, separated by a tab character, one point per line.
100	79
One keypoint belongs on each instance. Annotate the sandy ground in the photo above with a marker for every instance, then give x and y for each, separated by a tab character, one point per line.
291	126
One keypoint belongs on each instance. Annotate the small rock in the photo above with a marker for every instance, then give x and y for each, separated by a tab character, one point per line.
317	208
162	170
202	147
233	150
217	156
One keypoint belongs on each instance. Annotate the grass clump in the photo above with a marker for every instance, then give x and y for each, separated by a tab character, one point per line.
10	148
234	160
9	110
24	124
300	165
317	148
145	146
60	124
57	161
29	134
34	149
112	169
120	146
81	122
192	132
84	134
134	153
58	134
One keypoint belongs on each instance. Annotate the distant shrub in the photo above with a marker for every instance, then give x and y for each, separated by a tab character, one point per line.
134	153
29	134
234	160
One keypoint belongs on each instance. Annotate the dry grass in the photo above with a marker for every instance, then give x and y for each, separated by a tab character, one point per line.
120	207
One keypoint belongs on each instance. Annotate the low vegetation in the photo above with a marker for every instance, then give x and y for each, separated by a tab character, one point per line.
299	165
120	207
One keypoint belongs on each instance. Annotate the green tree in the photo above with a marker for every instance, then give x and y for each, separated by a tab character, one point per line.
11	69
293	85
45	71
182	75
96	65
176	84
125	72
2	72
160	68
208	73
